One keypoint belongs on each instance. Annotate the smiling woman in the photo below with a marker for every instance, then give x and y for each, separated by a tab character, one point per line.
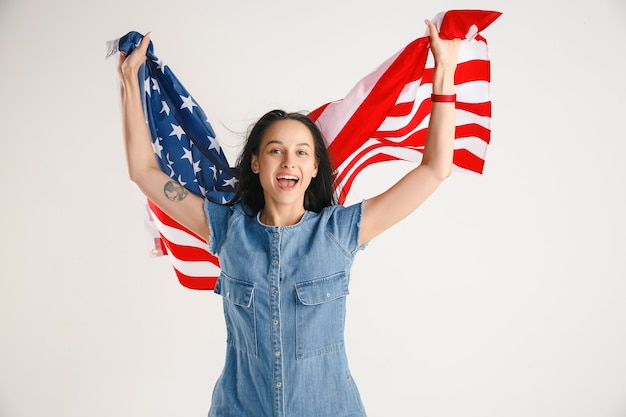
286	165
279	128
286	248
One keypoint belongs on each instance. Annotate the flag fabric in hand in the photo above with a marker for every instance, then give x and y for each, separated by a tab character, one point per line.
187	150
385	116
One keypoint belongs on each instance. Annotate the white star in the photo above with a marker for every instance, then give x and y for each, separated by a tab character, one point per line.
181	182
188	103
214	169
160	65
202	190
231	182
224	201
169	165
187	155
155	85
156	147
177	131
146	86
196	167
165	108
214	144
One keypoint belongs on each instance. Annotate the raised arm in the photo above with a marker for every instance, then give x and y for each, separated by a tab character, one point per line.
167	194
386	209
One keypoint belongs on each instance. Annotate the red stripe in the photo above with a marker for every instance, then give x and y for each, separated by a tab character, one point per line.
468	71
189	253
196	283
456	23
401	109
185	253
479	109
421	113
168	221
315	114
475	130
465	159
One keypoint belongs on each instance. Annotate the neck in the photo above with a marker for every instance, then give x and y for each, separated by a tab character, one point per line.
273	216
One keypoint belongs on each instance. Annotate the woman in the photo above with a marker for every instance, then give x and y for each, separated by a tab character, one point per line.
285	247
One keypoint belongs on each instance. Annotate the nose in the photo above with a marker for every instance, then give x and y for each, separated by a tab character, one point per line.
287	162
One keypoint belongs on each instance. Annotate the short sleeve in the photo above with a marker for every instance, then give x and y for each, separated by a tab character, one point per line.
344	225
218	217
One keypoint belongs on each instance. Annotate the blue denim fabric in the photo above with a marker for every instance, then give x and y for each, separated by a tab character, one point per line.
284	292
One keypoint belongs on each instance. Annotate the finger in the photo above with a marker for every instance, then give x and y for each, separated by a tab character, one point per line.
145	41
120	60
432	29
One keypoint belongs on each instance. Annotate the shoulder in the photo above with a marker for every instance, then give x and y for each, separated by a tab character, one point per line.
343	225
339	213
220	219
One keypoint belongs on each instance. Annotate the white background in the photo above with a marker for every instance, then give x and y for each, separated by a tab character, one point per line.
504	295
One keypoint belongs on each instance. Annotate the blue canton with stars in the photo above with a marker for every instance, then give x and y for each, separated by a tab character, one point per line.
182	137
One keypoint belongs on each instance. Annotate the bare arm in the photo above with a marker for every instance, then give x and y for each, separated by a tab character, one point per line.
167	194
386	209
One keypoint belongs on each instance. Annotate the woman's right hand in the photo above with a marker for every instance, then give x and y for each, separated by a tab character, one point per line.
128	66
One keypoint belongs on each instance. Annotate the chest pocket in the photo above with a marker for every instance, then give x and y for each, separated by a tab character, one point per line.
239	312
320	315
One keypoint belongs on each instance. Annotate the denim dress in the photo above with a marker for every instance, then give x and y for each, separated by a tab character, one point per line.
284	293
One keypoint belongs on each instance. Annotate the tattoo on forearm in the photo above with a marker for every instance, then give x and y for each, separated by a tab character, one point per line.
174	191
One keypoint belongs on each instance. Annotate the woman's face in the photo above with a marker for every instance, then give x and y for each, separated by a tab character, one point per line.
285	163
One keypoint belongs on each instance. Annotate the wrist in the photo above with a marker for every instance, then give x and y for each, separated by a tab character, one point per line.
128	79
443	98
443	79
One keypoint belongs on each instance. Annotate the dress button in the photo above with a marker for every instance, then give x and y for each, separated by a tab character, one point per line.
276	235
277	353
327	295
275	322
274	292
275	262
278	385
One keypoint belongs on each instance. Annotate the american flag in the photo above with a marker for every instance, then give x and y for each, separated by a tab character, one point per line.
384	117
186	148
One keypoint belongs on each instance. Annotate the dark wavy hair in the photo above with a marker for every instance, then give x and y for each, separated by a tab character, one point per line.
249	191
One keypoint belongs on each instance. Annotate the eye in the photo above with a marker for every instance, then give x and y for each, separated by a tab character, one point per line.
275	151
303	153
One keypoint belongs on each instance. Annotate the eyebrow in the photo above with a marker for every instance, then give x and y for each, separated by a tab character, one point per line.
272	142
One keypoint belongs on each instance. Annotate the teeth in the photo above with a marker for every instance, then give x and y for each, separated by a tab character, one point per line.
287	177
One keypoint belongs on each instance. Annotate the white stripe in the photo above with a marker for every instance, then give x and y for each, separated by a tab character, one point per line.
411	90
475	145
180	237
193	268
463	117
472	144
472	92
177	236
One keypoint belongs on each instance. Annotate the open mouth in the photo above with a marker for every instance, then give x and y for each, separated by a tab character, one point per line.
287	181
